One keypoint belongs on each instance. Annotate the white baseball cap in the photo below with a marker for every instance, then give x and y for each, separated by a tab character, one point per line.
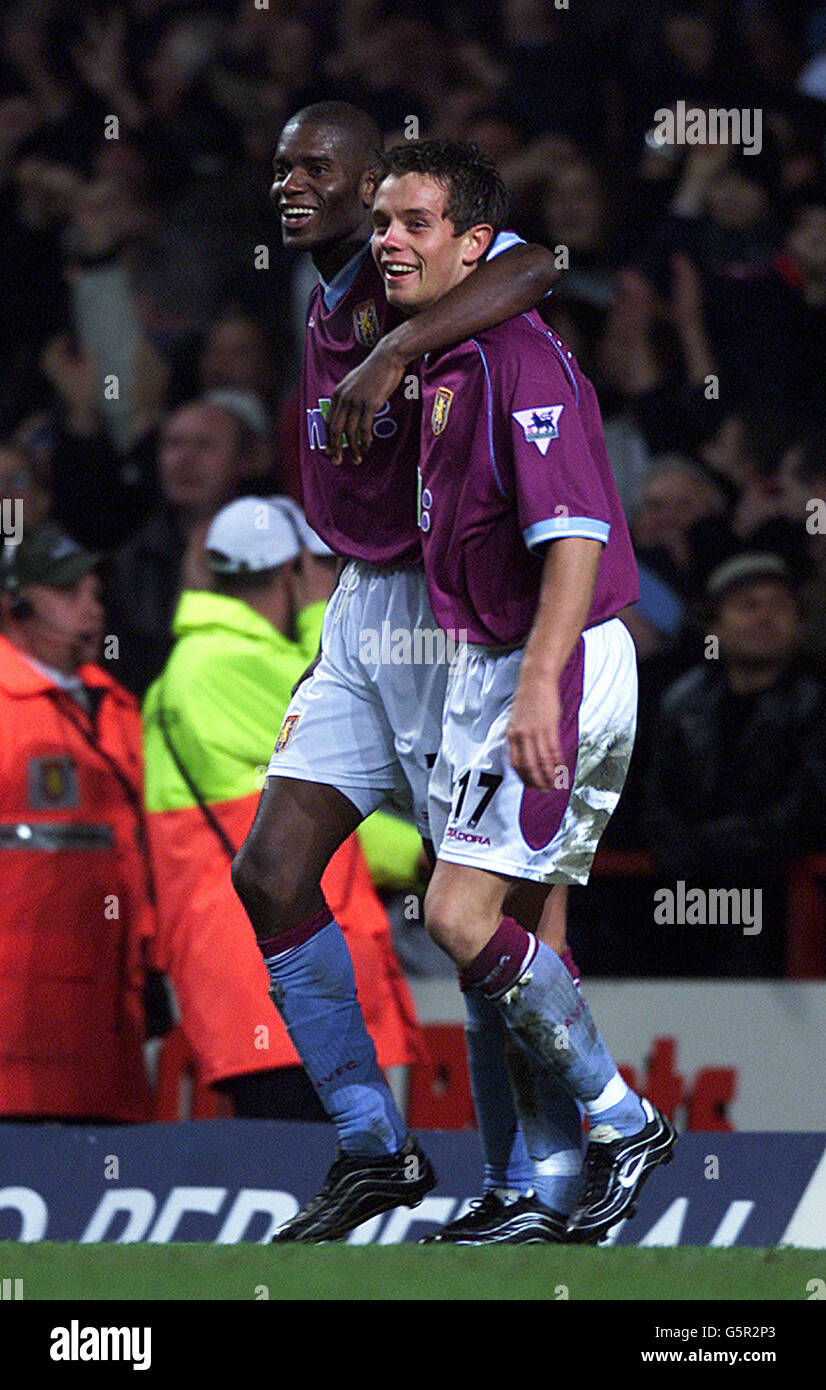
250	535
306	534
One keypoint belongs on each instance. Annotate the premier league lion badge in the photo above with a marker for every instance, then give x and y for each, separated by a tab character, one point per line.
540	425
366	324
441	409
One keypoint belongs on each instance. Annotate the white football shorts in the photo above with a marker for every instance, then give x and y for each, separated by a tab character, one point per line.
369	719
482	814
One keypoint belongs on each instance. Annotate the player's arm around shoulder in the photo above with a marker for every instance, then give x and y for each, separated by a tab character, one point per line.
507	284
516	279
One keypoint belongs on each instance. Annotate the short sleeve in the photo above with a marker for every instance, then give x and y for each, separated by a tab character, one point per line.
559	491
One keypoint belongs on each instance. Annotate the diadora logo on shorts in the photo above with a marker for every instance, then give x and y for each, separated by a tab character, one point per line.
468	838
383	426
540	425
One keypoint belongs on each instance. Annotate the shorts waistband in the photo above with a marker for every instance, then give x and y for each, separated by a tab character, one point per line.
481	649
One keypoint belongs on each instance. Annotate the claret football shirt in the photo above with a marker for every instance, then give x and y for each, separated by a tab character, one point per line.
364	511
513	456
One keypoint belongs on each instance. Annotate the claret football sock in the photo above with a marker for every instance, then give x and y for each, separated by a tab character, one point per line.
314	989
540	1002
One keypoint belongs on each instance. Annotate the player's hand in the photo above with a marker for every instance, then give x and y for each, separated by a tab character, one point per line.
356	400
533	729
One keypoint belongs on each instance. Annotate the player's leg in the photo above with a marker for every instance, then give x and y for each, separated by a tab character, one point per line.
538	1000
538	836
333	736
529	1125
550	1118
298	827
414	701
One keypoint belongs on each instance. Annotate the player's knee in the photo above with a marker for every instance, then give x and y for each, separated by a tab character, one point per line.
446	922
262	881
246	875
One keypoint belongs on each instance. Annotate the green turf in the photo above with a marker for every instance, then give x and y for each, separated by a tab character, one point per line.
179	1271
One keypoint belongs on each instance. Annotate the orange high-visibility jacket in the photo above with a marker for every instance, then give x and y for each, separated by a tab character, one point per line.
223	695
75	904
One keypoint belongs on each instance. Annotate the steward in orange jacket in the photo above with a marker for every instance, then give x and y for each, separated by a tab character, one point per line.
75	906
210	722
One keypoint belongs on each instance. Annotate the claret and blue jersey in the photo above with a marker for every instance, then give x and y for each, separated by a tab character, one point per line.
366	512
512	456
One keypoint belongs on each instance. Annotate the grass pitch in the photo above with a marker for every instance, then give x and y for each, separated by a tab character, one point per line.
247	1272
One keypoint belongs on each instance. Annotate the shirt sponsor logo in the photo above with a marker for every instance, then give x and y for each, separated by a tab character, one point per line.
52	783
286	732
384	427
539	425
366	324
441	409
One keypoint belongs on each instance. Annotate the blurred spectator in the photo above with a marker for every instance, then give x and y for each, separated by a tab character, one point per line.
735	785
25	491
203	457
210	723
656	360
77	907
802	485
676	495
575	214
555	78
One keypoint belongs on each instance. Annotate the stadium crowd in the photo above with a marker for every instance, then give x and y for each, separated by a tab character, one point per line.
151	334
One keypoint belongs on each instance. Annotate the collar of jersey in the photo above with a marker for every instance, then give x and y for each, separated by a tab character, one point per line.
343	279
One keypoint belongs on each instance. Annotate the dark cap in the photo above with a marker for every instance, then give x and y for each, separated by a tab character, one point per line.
741	569
45	556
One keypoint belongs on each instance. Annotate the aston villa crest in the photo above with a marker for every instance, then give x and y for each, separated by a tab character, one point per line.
366	324
441	409
286	732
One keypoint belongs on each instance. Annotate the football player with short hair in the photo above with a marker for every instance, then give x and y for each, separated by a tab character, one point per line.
360	730
526	549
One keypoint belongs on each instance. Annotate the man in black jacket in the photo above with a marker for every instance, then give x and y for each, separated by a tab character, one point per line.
736	783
